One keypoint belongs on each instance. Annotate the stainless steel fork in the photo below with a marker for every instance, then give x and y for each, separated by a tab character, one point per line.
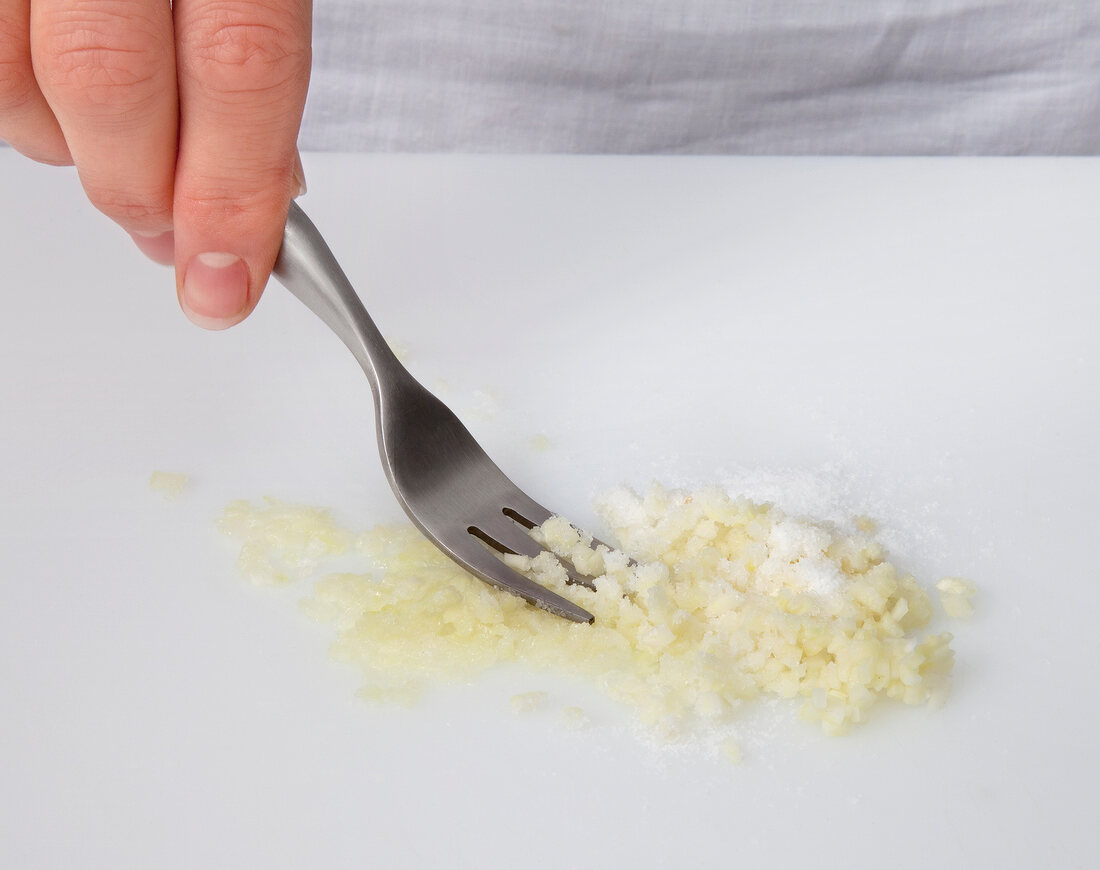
449	487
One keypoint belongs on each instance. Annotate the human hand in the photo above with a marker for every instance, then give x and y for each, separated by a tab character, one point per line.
181	119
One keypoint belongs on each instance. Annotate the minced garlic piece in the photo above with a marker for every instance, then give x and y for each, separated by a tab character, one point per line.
281	542
528	702
168	483
574	718
541	443
955	596
399	348
486	405
727	601
865	524
732	750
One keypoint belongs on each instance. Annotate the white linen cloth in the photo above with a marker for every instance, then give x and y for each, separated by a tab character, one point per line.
707	76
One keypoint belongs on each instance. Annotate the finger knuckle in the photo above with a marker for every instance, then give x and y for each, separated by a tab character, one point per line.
130	208
99	60
246	55
250	198
17	84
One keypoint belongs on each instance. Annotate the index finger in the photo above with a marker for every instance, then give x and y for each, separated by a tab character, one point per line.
243	71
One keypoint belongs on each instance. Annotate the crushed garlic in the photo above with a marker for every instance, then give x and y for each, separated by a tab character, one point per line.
728	601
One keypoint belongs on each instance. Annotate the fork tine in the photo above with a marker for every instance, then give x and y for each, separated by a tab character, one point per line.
511	535
486	565
526	511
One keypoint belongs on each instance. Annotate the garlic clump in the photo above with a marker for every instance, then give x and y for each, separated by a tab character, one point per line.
721	601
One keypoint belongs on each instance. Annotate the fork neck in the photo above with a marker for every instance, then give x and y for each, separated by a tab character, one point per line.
308	269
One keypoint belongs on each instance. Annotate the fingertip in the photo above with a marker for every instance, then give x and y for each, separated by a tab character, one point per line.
214	293
300	188
211	324
55	157
47	150
158	247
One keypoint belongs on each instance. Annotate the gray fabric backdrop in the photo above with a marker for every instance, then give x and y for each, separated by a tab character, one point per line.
707	76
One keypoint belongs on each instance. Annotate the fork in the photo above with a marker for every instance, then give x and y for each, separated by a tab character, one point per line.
449	487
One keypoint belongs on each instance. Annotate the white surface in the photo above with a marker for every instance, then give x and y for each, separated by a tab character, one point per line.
916	339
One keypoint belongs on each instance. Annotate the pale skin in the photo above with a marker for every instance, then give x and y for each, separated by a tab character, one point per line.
182	120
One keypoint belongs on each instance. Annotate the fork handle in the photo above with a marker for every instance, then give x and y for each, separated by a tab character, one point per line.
308	269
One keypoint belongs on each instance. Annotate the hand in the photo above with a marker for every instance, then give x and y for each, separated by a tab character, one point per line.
181	119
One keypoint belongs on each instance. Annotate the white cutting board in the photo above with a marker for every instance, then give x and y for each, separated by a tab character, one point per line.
913	338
